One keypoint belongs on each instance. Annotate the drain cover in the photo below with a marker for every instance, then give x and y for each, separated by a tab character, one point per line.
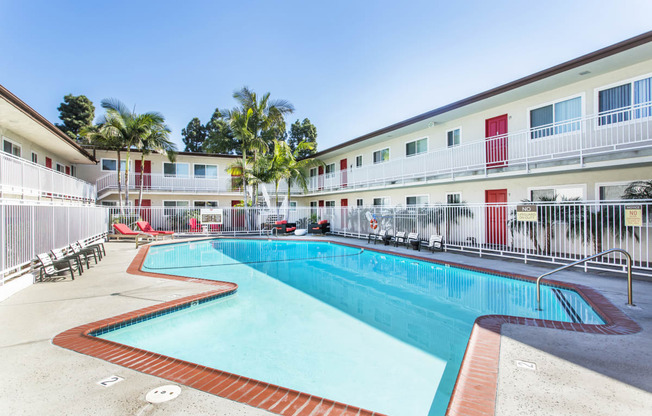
163	394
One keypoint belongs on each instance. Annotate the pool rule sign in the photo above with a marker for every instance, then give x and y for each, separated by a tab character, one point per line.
527	213
633	216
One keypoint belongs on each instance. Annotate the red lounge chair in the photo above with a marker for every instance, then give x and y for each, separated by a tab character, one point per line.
147	228
122	231
194	226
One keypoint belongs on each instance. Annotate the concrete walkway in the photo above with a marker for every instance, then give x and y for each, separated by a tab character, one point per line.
576	374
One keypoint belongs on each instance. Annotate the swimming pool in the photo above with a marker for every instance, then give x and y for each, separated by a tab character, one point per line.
379	331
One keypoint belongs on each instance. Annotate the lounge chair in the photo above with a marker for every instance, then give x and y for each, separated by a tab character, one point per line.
322	227
399	238
381	236
436	242
413	240
147	228
87	253
60	256
98	246
285	227
124	232
50	269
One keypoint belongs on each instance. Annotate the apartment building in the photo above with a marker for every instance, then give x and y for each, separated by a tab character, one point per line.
580	129
39	162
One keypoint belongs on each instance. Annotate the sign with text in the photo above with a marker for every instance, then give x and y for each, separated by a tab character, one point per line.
527	213
633	216
212	216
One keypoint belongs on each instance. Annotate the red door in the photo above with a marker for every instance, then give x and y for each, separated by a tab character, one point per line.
344	203
343	174
496	216
320	179
67	170
496	141
238	216
48	162
145	212
144	175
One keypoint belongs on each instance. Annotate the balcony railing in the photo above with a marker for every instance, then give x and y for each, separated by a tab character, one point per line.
23	178
619	131
186	184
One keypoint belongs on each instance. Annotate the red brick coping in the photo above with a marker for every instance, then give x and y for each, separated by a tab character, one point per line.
474	392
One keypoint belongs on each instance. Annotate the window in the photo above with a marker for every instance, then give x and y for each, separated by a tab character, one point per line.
615	104
293	206
330	204
206	171
560	193
358	161
61	168
171	206
109	203
313	207
330	169
381	202
34	158
111	164
454	198
73	170
556	118
313	172
453	137
611	192
359	202
381	156
175	169
416	147
11	148
206	204
417	200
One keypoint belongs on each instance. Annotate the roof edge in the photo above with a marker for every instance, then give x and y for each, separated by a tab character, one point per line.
34	115
537	76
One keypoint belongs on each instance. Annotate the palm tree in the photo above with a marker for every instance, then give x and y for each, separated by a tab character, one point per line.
638	190
129	128
446	215
296	170
102	138
264	115
158	140
239	121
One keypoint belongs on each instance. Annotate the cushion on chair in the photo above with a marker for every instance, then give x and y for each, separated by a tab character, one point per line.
322	222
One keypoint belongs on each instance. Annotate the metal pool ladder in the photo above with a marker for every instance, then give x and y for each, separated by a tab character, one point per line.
611	250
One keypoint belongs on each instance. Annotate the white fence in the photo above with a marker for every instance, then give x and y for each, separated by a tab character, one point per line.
26	179
619	131
564	232
30	229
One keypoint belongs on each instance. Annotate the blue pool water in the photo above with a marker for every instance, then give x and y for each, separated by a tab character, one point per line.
378	331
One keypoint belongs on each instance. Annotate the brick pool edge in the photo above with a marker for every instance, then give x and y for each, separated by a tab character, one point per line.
475	388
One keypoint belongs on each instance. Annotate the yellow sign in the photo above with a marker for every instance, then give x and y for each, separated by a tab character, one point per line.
633	216
527	213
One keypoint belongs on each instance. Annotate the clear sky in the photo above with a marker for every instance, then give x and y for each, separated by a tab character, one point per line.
350	66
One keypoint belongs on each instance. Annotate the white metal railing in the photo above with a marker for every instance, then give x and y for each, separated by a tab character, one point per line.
564	232
607	133
28	229
26	179
193	184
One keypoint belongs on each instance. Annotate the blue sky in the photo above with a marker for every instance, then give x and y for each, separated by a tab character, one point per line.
349	66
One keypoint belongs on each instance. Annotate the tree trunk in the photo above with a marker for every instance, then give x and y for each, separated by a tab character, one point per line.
276	182
122	211
140	193
244	185
127	179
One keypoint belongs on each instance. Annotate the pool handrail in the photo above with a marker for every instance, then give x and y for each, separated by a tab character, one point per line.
611	250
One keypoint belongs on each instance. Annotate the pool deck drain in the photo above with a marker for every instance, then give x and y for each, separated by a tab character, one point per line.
34	369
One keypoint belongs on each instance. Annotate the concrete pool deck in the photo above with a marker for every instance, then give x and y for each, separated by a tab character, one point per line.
576	373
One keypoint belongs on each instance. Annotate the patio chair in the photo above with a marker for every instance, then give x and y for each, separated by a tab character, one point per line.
381	236
97	245
60	256
399	238
322	227
194	225
50	269
436	242
285	227
87	253
413	241
147	228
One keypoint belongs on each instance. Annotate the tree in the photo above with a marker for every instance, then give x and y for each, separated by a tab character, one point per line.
219	136
303	132
297	169
638	190
156	140
128	128
238	122
194	136
76	112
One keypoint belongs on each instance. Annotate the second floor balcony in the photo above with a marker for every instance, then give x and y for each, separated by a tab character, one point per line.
20	178
612	136
161	183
